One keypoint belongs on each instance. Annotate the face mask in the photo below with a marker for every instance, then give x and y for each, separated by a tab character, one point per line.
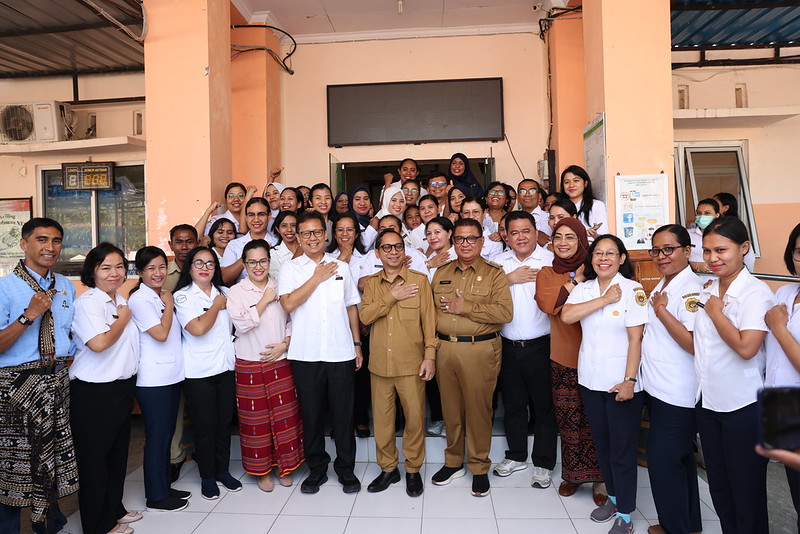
703	221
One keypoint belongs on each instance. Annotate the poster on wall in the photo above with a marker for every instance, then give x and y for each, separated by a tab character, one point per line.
594	155
641	202
14	212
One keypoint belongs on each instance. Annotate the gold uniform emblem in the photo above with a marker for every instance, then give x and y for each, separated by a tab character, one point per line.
615	313
641	298
691	304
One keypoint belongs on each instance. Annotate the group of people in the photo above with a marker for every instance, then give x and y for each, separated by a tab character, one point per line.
297	305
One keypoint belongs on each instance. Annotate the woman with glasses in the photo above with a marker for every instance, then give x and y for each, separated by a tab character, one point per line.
554	284
346	244
288	247
729	365
577	185
612	310
269	415
412	191
667	375
208	356
497	201
234	202
783	342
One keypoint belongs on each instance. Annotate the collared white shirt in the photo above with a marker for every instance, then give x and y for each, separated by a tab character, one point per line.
227	215
726	381
369	264
667	371
780	371
354	257
278	255
603	356
529	321
419	237
368	235
542	219
598	214
491	249
320	325
432	270
160	362
95	312
211	353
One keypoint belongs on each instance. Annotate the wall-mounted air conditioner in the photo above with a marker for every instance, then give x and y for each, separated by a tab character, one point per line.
34	122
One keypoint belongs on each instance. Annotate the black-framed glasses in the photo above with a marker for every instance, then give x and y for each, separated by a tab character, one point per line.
471	239
207	265
387	247
305	234
251	264
666	251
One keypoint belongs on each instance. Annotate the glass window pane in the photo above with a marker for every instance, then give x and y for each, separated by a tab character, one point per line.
72	209
121	211
715	172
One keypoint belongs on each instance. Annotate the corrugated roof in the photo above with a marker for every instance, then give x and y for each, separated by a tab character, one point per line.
47	37
734	23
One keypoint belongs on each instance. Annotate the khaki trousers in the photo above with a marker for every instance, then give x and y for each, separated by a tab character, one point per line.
467	374
411	390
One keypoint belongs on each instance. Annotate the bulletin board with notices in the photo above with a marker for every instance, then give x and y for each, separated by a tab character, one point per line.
641	208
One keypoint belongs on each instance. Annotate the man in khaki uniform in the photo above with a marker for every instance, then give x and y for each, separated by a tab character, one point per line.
473	300
398	303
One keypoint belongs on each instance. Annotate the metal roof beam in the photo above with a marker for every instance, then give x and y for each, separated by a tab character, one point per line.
42	74
678	5
71	28
738	62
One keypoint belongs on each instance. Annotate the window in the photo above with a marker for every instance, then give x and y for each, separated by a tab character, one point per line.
91	217
705	169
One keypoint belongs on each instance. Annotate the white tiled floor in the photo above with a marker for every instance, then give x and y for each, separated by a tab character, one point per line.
513	507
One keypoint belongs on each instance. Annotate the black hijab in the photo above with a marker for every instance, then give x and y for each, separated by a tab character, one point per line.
469	184
363	220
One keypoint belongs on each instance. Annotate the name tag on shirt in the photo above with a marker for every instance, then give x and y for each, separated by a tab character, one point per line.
445	282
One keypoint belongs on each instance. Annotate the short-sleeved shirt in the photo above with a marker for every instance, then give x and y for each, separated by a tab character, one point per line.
491	249
597	214
233	253
227	215
95	312
209	354
726	381
15	297
667	371
603	357
696	235
780	371
529	321
160	362
320	325
542	219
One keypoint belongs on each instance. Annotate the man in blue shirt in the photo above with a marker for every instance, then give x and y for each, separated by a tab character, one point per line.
37	460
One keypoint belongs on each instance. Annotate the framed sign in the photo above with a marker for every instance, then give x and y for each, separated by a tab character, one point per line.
641	202
87	176
14	212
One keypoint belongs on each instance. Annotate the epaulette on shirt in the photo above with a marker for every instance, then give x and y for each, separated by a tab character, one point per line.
493	264
448	262
417	272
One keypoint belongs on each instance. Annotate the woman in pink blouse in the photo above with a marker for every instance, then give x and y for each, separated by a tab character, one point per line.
269	415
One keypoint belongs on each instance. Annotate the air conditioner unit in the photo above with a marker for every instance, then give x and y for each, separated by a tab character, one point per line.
34	122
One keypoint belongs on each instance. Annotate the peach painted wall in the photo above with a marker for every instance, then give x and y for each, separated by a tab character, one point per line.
518	58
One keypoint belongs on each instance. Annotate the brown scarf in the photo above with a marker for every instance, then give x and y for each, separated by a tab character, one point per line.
47	331
566	265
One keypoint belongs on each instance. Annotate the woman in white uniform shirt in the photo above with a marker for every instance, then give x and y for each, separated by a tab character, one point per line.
783	342
285	231
668	379
729	365
346	244
158	381
439	235
208	359
612	310
103	380
428	210
577	185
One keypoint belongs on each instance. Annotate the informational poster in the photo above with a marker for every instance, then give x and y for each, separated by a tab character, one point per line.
14	212
641	202
594	155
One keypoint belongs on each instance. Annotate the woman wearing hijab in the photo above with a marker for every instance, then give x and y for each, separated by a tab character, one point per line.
553	286
461	175
272	192
394	203
359	203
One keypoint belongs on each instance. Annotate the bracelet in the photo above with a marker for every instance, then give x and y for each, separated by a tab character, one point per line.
356	343
629	379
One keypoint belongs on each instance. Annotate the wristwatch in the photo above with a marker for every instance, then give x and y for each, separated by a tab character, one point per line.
572	279
629	379
24	321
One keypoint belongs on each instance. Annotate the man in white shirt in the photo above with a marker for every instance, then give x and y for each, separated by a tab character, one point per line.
319	293
525	370
529	195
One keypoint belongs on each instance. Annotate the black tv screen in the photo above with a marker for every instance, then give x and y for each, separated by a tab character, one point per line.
415	112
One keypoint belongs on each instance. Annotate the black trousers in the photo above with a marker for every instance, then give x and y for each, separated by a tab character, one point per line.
615	430
525	380
211	402
322	384
737	476
672	467
100	417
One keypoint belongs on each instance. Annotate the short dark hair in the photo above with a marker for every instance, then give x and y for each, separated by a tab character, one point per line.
680	233
788	253
412	160
444	222
185	278
388	231
257	200
255	243
394	218
40	222
438	174
214	227
625	269
298	196
95	257
468	222
710	202
144	256
179	227
428	197
729	227
518	215
279	219
565	204
232	185
311	215
538	187
727	199
478	200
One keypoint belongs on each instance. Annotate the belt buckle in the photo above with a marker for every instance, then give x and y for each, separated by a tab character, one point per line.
452	339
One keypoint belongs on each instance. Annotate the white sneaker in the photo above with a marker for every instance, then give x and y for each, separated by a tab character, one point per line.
436	428
506	467
541	477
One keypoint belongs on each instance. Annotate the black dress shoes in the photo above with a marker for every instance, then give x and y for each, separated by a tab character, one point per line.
383	481
313	482
350	484
413	484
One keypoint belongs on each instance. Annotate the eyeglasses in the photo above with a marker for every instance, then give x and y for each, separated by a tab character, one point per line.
796	254
667	251
413	191
207	265
566	238
235	195
399	247
305	234
345	230
437	183
496	193
528	191
601	254
471	239
263	262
